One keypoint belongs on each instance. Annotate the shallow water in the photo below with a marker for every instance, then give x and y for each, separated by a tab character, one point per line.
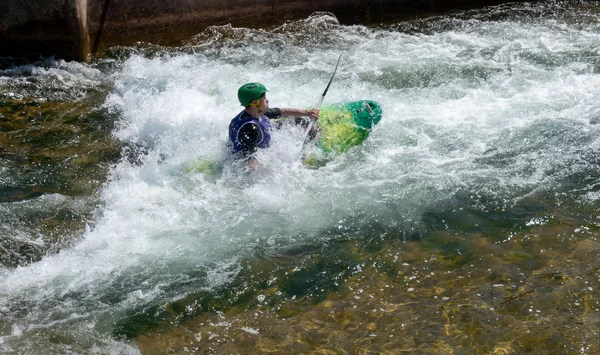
466	223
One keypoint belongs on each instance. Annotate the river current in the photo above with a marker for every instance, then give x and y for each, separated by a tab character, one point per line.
466	223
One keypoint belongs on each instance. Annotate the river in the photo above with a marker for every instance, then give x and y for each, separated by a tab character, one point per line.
467	222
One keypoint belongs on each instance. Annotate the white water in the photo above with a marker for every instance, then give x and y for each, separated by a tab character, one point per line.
502	109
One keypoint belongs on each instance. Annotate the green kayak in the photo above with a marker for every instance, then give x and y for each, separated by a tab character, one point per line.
344	126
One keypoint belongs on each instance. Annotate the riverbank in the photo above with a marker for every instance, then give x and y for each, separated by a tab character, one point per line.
80	30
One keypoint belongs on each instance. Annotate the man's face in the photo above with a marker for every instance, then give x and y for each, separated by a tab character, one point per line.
264	103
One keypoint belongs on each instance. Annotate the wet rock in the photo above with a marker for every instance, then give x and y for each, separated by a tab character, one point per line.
586	250
14	252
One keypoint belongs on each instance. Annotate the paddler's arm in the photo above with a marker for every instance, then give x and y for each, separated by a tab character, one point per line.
249	137
312	113
274	113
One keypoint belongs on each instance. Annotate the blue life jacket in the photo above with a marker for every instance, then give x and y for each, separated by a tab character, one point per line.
243	118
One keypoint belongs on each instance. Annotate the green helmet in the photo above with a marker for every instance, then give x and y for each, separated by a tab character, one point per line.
250	92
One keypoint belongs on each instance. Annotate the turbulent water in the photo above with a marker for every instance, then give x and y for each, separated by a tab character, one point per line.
491	126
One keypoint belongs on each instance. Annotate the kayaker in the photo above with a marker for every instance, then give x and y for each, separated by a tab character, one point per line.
251	129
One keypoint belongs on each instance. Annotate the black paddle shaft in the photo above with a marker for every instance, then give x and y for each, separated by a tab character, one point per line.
312	120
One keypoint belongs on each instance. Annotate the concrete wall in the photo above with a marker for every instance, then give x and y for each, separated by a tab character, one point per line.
44	27
76	29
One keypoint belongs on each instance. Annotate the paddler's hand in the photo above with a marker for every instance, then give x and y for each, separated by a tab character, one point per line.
253	165
314	113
